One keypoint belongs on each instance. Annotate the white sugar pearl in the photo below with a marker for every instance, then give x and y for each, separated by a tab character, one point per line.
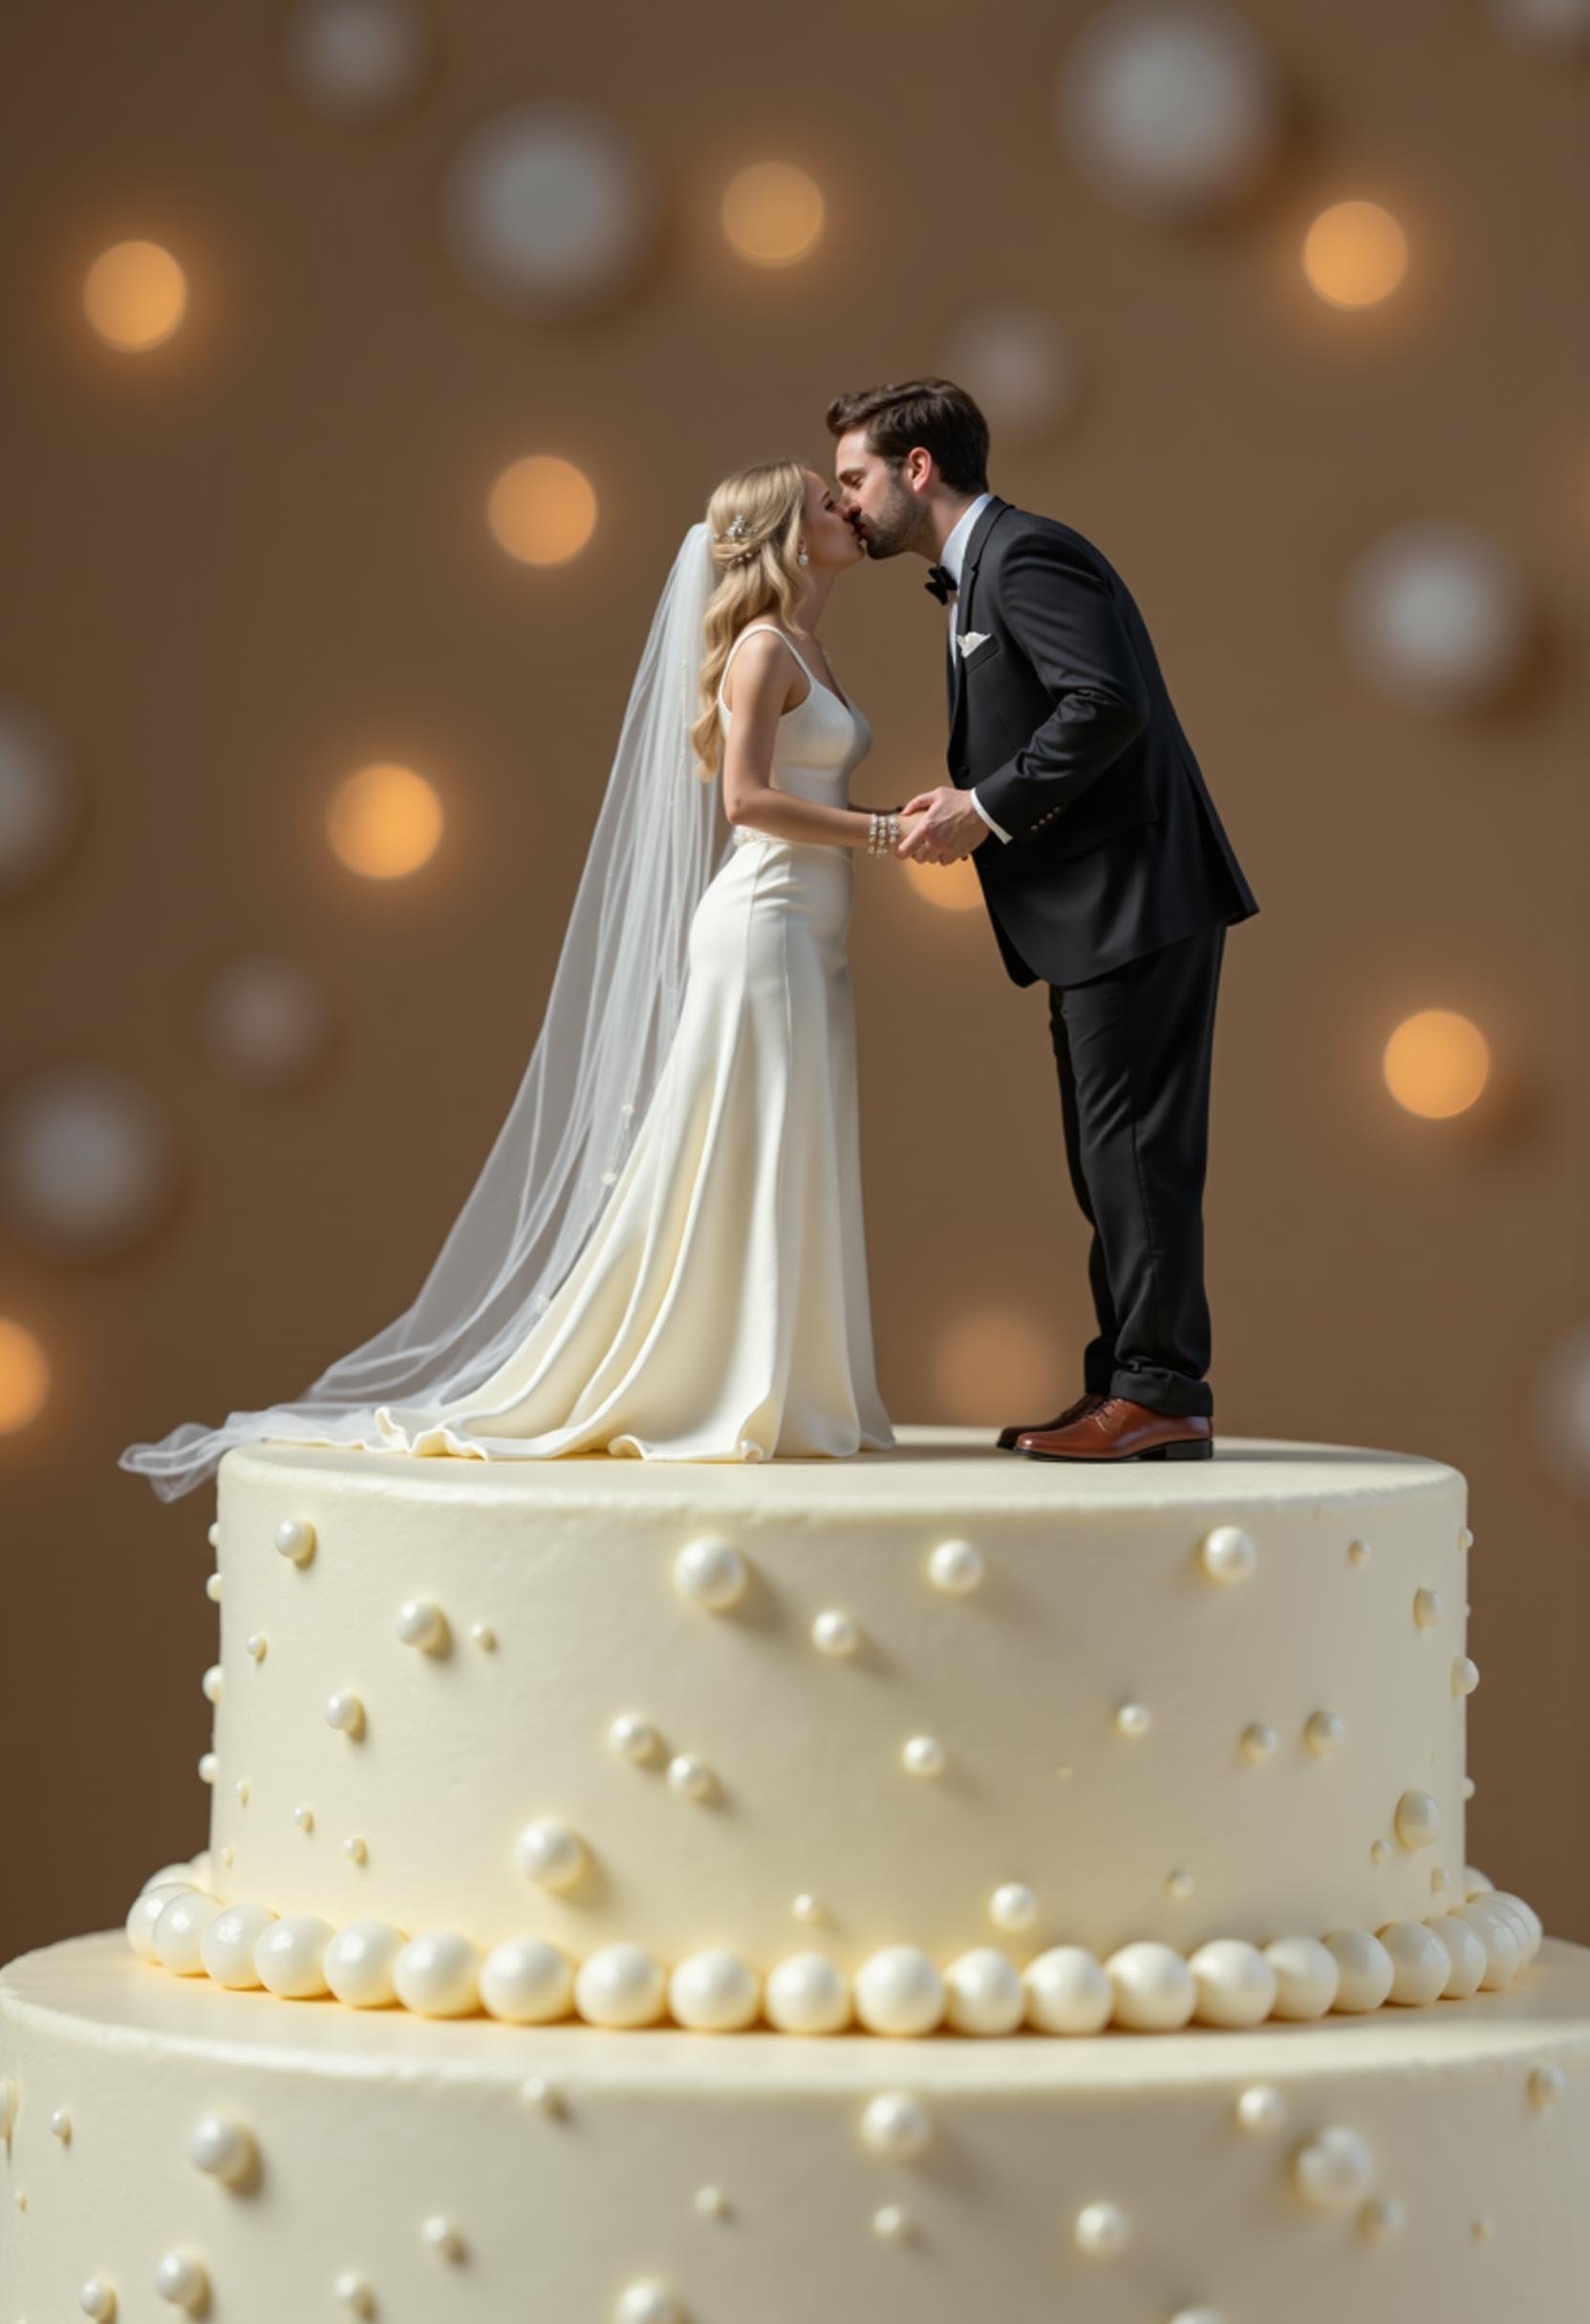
1465	1955
1475	1883
178	1932
1013	1906
1465	1675
711	1574
1067	1992
1532	1920
713	1991
1419	1963
648	2301
1382	2218
145	1911
354	2292
1227	1553
526	1981
8	2111
183	2279
290	1956
690	1777
354	1849
808	1994
484	1636
892	2223
1132	1720
1333	2168
213	1587
922	1755
1323	1731
711	2203
633	1738
212	1683
1260	2110
1306	1976
619	1985
360	1961
1154	1988
437	1975
549	1852
1259	1743
1427	1608
295	1540
60	2125
956	1567
304	1819
208	1767
174	1876
1500	1938
1364	1968
1102	2230
836	1633
806	1906
1546	2085
97	2299
422	1623
1235	1985
537	2091
229	1944
1417	1820
442	2236
896	2125
899	1992
344	1711
223	2148
257	1645
983	1993
1359	1551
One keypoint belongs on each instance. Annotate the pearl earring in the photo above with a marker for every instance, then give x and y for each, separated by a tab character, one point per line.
801	557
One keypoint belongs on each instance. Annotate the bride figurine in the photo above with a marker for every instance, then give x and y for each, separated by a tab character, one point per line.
662	1255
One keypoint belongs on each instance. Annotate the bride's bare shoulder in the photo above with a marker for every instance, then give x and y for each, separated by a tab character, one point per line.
761	670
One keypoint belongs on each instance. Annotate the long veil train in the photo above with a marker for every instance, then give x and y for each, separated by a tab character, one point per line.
612	1010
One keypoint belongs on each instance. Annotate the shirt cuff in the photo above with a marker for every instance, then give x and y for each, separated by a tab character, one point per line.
987	817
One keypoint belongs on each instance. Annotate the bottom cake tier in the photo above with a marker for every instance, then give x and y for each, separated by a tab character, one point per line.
173	2148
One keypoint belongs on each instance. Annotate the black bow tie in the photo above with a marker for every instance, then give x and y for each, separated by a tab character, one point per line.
942	582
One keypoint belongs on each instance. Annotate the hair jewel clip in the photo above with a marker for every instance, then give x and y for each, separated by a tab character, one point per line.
739	527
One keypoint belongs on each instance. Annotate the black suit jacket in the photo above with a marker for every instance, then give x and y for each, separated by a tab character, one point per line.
1062	721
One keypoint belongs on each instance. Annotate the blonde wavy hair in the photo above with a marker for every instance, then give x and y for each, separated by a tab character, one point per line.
757	575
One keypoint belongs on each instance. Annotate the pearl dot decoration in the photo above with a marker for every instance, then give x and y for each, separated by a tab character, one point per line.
1155	1992
223	2149
1013	1906
1465	1955
290	1956
1236	1984
210	1767
1227	1553
1546	2085
899	1992
212	1590
360	1961
354	2292
354	1849
484	1636
1419	1963
1132	1719
1101	2230
892	2223
1179	1885
1365	1969
228	1945
619	1985
711	2203
808	1907
1465	1675
836	1633
808	1994
304	1818
437	1974
956	1568
1260	2110
97	2299
1067	1992
1358	1552
1381	2219
258	1645
896	2126
182	2278
1323	1731
442	2236
713	1992
549	1853
633	1738
1333	2168
983	1993
1418	1819
1259	1743
345	1712
712	1574
295	1541
1428	1609
690	1777
178	1935
648	2301
422	1623
923	1755
1306	1977
212	1682
60	2125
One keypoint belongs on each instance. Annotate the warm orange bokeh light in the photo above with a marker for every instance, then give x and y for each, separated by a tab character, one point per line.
773	213
384	822
1355	254
1436	1063
999	1365
24	1376
952	887
134	295
542	510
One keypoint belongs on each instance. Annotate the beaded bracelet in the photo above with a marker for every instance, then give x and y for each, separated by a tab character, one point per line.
883	831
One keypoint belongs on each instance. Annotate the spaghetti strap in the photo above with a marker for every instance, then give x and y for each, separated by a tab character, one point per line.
750	631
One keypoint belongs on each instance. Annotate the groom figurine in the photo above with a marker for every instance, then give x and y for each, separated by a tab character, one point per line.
1105	870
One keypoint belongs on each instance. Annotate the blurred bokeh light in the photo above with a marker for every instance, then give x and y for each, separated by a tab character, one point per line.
24	1376
542	509
1355	254
134	295
87	1164
773	213
384	822
1436	1063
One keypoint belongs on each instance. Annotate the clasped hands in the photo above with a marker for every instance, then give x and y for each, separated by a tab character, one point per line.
940	827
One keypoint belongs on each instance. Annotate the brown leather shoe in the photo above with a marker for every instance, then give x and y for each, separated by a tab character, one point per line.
1117	1430
1084	1403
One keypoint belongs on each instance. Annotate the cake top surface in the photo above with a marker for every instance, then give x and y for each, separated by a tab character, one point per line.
932	1470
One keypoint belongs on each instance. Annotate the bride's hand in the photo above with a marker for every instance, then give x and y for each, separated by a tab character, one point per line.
910	826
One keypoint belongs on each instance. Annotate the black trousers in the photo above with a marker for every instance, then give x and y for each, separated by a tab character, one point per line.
1133	1048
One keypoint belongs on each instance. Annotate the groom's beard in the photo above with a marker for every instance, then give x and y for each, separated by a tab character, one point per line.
893	529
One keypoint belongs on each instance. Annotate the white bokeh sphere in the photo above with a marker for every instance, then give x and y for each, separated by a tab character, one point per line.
40	799
548	206
87	1163
356	59
264	1021
1560	1408
1436	615
1017	365
1557	27
1170	107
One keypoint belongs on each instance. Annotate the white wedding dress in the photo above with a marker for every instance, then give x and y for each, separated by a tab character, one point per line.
719	1309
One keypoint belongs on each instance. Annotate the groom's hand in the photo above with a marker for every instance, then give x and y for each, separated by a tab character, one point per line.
951	826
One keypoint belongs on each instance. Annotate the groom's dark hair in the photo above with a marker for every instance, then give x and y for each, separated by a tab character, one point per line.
932	413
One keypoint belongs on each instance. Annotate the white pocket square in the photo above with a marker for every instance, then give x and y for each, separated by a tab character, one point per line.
969	641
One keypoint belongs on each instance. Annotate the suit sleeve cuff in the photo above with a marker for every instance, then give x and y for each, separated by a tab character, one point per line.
987	817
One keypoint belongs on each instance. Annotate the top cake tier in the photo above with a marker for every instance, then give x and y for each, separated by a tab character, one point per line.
943	1697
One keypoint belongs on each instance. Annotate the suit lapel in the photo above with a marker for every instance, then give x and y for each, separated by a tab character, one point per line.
979	536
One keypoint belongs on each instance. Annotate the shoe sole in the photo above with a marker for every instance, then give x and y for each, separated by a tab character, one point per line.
1192	1447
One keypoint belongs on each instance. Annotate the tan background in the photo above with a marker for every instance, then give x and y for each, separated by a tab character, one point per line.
239	566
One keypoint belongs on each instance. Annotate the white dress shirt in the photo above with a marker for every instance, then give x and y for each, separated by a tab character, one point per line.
951	556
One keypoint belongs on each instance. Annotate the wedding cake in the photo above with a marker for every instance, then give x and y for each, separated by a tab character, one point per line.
928	1885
